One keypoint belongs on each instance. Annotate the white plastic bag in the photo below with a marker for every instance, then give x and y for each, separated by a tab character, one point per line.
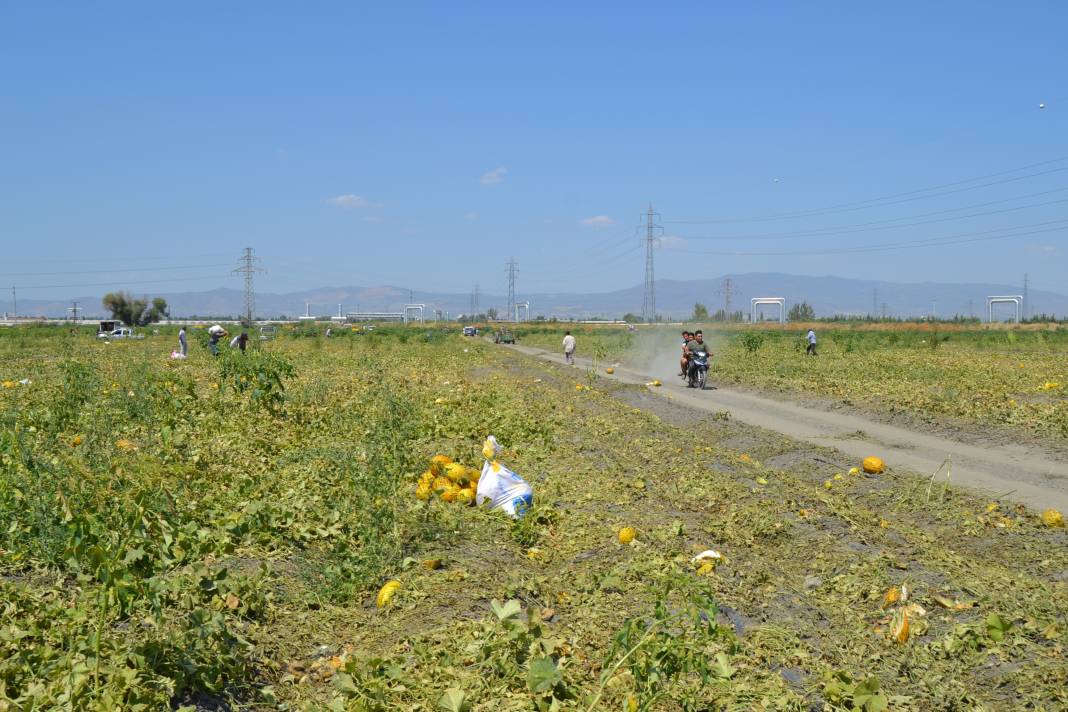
504	489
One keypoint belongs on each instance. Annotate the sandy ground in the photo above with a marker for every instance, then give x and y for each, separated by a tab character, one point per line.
1023	473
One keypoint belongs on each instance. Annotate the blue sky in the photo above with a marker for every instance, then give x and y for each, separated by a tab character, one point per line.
423	144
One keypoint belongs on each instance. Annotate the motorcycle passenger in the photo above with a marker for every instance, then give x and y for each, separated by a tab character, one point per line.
684	362
697	347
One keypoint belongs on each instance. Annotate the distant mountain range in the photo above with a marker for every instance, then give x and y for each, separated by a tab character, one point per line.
674	299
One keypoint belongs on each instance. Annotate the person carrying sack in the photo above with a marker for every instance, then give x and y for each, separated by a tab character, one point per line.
569	348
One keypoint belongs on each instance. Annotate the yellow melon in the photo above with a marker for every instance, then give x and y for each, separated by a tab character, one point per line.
626	535
438	463
873	465
455	472
385	594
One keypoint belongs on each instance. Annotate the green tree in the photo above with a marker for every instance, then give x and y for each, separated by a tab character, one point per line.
631	318
132	311
700	312
802	311
491	313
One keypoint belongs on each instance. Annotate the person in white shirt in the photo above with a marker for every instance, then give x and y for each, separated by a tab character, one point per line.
216	332
183	347
240	341
569	348
811	338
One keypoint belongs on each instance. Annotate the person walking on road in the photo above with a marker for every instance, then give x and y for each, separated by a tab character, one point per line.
183	347
569	348
811	338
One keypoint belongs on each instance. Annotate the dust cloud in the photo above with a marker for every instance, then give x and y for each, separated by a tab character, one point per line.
656	351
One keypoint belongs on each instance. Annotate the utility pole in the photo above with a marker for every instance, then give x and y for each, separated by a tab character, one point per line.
248	268
1026	301
874	302
513	272
14	304
649	300
74	311
884	311
728	287
474	302
934	309
971	309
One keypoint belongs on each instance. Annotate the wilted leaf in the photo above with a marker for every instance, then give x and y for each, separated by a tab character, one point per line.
543	675
454	701
509	609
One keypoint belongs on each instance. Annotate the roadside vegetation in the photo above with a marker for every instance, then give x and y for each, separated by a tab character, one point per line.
214	534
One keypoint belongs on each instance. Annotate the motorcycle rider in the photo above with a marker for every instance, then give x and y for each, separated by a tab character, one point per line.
697	347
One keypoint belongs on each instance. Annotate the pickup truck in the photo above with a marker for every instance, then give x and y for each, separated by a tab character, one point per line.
123	332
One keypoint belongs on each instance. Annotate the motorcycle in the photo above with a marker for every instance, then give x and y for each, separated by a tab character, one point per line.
698	375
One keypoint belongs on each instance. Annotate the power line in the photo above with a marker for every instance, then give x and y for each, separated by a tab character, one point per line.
881	224
893	198
112	283
98	260
905	244
109	271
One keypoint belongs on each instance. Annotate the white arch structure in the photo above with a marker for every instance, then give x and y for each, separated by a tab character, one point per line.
757	301
417	309
1016	299
525	307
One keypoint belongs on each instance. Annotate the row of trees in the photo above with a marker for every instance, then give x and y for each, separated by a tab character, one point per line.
135	312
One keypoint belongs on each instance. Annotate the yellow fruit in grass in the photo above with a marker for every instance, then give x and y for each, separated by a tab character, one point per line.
427	478
124	444
474	474
873	465
450	493
610	370
465	496
423	491
900	630
455	471
440	484
438	463
1052	518
385	594
76	441
626	535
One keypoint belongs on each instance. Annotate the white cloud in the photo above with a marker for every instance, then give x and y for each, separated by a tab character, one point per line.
598	221
348	201
1042	250
673	242
493	177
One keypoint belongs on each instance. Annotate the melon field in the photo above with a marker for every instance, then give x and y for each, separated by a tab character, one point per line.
254	532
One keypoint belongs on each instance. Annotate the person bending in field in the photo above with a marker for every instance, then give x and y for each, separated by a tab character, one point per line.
811	339
215	332
240	341
569	348
684	362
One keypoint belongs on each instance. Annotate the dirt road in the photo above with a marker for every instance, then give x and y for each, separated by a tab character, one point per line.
1019	473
